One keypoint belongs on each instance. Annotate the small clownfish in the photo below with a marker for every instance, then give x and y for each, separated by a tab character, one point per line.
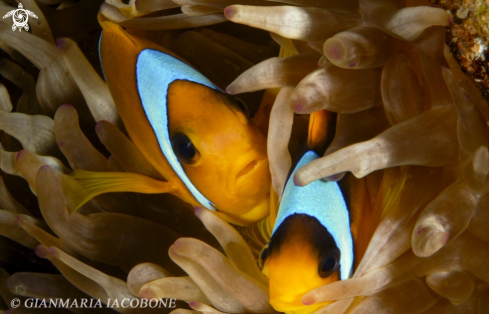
315	238
201	140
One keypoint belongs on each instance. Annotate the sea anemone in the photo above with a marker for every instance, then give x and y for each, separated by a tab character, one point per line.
408	120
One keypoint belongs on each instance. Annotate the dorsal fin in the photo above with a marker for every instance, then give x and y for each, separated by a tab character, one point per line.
322	125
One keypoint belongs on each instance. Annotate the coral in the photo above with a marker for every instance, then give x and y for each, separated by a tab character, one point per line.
468	38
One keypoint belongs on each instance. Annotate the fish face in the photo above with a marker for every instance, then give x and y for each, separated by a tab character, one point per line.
301	256
220	149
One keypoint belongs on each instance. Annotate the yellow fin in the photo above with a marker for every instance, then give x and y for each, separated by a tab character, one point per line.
286	52
389	191
322	125
260	234
265	226
391	188
105	22
374	197
90	184
274	204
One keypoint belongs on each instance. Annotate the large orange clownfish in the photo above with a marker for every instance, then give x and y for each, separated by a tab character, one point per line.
201	140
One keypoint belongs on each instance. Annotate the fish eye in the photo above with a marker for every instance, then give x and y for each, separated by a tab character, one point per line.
329	262
263	256
184	149
242	106
233	101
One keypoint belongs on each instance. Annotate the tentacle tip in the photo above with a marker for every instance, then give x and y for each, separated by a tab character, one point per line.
229	90
198	211
52	250
333	178
66	107
20	221
334	53
20	155
41	251
298	181
230	12
308	300
100	126
103	5
61	44
145	294
44	168
428	240
298	106
177	244
422	230
9	311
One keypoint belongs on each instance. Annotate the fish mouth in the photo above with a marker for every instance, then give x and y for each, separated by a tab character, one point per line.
244	168
247	169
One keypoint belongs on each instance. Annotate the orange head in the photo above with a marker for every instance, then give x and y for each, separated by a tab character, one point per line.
301	256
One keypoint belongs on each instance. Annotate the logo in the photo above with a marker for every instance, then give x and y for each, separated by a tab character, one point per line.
20	17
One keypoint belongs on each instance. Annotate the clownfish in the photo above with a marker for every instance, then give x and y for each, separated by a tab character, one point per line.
315	238
200	140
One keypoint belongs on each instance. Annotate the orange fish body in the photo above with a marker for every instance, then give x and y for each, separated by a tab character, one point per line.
198	138
317	238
